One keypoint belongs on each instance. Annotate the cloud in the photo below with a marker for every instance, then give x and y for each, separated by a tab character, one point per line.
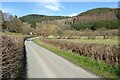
8	9
73	14
0	8
52	7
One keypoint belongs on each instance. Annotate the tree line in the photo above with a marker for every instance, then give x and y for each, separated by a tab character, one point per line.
107	24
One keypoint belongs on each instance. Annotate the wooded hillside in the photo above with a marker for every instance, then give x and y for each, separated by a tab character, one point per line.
38	18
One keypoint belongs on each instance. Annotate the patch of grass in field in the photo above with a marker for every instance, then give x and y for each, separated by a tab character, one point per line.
97	67
11	34
99	41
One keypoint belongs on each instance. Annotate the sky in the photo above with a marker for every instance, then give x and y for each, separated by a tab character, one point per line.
53	8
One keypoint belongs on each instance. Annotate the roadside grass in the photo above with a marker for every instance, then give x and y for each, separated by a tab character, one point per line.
98	67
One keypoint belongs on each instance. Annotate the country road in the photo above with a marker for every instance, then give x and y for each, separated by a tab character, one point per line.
42	63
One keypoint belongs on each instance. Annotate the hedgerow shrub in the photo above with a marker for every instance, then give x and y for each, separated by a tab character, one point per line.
13	57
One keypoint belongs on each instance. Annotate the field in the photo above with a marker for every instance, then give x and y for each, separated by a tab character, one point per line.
98	41
84	39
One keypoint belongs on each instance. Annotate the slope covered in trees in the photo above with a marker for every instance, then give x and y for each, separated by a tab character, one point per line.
38	18
95	19
98	11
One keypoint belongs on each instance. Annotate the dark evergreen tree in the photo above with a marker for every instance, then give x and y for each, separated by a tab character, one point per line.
33	24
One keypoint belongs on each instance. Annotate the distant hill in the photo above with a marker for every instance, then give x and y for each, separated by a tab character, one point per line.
98	11
88	16
38	18
91	19
96	14
95	19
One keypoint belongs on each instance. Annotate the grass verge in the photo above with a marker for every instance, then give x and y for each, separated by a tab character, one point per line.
97	67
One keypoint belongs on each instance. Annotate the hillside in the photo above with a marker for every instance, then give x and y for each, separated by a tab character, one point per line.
98	11
97	18
96	14
88	16
38	18
93	19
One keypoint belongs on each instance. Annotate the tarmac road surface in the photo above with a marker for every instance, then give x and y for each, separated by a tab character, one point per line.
42	63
